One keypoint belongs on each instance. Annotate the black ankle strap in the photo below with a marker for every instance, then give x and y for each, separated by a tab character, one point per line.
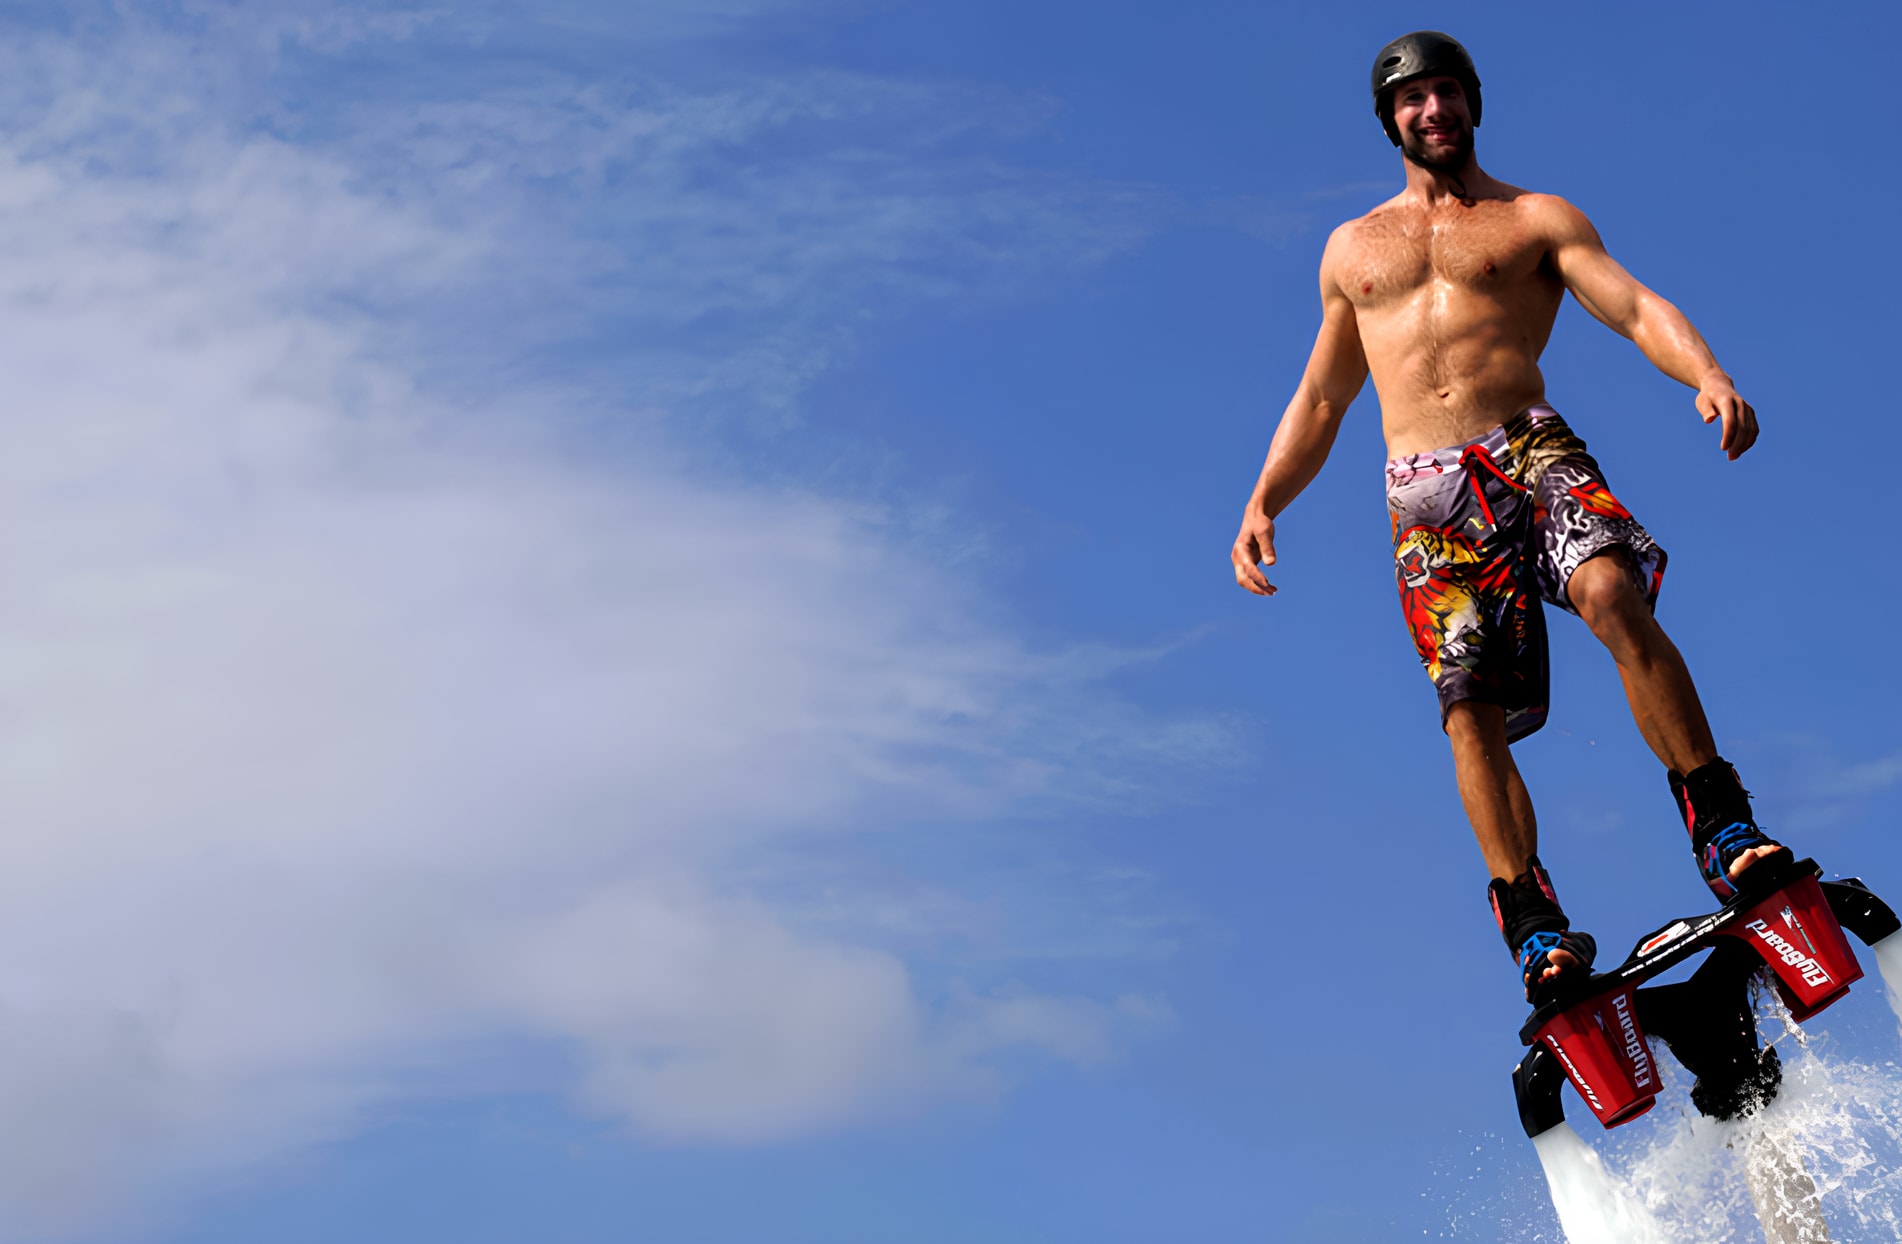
1710	798
1526	905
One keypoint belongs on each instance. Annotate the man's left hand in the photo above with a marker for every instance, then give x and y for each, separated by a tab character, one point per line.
1717	399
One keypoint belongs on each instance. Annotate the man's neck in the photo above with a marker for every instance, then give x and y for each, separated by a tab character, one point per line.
1437	187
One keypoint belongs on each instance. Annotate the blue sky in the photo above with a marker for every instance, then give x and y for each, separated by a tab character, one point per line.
618	618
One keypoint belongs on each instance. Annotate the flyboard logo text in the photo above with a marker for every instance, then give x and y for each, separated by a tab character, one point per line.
1806	965
1634	1044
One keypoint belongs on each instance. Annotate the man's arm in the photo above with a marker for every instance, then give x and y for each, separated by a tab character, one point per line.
1659	329
1336	370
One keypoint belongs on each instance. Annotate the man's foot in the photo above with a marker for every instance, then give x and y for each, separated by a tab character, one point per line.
1559	961
1724	834
1551	955
1550	963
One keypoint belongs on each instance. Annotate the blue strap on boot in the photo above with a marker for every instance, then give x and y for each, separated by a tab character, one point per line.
1717	815
1534	925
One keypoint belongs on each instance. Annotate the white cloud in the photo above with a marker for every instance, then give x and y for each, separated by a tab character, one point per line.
344	723
1806	786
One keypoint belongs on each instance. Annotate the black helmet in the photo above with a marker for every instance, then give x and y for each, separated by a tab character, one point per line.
1421	54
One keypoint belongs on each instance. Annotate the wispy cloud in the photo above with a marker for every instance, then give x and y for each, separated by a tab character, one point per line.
356	704
1810	787
744	234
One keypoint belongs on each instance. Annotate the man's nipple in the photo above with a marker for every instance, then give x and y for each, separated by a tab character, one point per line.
1366	287
1489	268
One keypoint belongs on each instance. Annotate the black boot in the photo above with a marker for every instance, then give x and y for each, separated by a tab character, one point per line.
1530	919
1716	812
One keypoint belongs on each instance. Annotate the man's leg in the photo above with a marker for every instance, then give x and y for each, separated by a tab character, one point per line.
1495	796
1663	698
1657	683
1496	799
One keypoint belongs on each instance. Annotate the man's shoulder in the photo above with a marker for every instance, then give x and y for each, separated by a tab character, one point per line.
1383	221
1381	217
1550	210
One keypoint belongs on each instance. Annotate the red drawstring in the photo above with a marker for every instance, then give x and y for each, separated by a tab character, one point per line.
1480	454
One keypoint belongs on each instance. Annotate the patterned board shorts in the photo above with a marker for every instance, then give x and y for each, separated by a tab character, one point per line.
1485	531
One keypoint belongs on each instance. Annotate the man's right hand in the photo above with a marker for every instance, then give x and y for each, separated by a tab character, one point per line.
1254	548
1717	399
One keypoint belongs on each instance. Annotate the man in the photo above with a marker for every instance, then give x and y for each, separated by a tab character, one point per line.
1446	295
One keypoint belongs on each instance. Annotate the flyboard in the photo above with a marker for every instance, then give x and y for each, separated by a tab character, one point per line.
1784	917
1789	918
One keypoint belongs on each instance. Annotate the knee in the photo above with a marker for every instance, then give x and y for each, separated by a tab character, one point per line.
1459	724
1470	721
1605	595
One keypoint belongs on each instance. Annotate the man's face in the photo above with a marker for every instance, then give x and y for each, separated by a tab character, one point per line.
1435	123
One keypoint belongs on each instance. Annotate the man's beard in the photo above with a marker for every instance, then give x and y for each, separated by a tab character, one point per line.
1452	162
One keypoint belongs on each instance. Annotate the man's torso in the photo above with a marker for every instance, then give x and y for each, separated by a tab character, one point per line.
1455	305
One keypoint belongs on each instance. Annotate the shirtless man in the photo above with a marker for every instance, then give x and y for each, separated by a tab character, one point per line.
1446	295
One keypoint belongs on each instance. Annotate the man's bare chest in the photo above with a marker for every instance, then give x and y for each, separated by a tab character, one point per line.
1395	256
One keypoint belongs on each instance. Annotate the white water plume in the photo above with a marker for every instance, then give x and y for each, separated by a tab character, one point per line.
1833	1137
1888	954
1593	1206
1821	1162
1788	1204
